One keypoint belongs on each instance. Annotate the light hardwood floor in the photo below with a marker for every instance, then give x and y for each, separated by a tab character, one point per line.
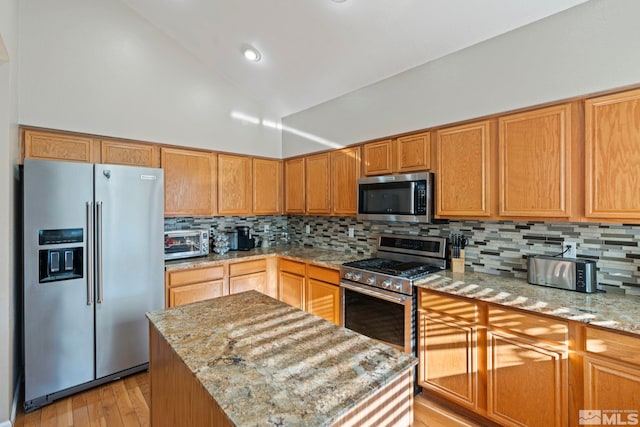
126	403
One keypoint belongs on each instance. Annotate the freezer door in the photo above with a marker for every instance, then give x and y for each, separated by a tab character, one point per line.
58	320
129	263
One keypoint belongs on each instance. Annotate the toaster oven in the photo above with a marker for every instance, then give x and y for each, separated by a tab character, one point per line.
186	243
563	273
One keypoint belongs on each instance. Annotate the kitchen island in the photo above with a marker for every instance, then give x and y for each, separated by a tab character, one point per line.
250	360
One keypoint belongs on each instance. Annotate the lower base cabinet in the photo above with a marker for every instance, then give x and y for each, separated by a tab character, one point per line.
252	275
292	282
181	295
194	284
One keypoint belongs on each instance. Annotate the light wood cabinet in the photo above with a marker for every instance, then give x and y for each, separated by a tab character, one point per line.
194	284
267	187
318	184
464	170
345	171
378	157
294	180
292	282
448	348
535	163
129	153
45	145
612	156
249	275
189	182
414	152
234	185
323	293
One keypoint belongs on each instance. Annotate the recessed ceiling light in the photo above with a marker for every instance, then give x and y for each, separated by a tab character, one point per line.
338	1
251	53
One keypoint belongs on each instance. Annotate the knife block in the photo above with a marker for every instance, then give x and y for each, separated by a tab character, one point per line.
457	264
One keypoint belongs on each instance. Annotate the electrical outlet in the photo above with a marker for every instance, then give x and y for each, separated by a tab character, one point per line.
266	228
570	247
307	228
352	232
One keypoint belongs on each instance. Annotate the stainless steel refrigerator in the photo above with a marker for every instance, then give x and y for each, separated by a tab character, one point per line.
93	265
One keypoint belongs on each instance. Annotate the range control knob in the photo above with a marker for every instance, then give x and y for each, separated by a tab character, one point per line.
371	280
348	275
398	286
387	283
357	277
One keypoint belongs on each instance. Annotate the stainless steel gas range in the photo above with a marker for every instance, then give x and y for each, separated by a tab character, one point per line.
378	295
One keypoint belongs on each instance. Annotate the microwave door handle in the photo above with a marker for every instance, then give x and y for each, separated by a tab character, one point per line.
412	210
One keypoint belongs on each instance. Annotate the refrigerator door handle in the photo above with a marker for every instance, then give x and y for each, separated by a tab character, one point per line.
90	265
99	251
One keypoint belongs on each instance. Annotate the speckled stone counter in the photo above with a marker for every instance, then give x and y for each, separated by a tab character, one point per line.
266	363
600	309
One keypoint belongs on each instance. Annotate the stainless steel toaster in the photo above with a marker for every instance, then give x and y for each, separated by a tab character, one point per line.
563	273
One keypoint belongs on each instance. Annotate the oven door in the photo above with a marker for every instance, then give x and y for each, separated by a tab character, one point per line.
382	315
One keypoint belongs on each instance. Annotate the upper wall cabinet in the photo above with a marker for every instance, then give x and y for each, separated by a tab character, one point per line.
58	146
234	185
129	153
189	182
414	152
612	154
378	157
535	163
267	187
317	189
294	183
345	171
464	156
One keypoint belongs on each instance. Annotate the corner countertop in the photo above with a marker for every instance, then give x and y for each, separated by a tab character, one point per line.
267	363
619	312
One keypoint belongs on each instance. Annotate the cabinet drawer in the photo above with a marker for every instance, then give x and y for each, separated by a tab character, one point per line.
291	266
247	267
613	345
455	307
325	274
194	275
535	326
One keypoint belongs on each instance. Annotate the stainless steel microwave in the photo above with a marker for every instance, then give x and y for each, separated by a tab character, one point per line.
407	198
186	243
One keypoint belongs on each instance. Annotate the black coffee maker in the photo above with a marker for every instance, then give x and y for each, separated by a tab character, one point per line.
245	241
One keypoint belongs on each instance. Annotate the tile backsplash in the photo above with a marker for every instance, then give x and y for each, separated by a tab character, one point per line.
495	247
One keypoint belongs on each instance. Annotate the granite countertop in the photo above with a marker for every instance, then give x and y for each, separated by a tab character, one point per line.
269	364
619	312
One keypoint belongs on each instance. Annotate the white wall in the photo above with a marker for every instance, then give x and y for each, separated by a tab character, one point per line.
591	47
9	337
97	67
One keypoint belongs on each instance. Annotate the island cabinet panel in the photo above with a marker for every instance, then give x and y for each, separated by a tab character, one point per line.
194	284
189	182
129	153
294	181
463	157
317	188
535	163
378	157
612	156
234	185
291	282
345	171
323	293
414	152
45	145
267	187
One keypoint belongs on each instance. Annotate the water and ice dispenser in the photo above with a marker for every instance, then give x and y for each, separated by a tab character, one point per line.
60	263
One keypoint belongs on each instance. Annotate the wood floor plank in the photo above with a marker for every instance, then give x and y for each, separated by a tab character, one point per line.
94	407
64	413
48	417
140	406
110	407
80	410
127	411
32	419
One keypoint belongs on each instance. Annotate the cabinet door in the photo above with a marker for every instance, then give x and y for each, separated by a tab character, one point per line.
248	282
234	185
535	163
464	170
294	179
414	152
345	171
267	187
527	382
291	289
58	146
189	182
129	153
378	157
448	358
180	295
317	192
323	300
612	156
611	386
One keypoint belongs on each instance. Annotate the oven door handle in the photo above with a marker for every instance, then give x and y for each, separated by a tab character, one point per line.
397	299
